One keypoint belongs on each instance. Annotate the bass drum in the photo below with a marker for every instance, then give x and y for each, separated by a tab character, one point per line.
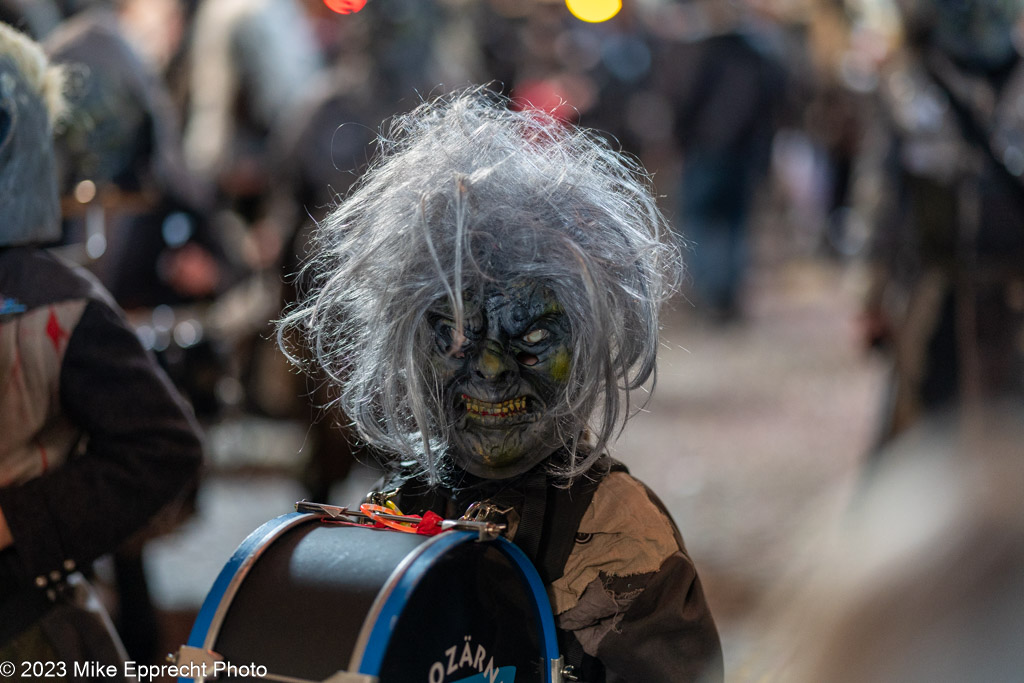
309	599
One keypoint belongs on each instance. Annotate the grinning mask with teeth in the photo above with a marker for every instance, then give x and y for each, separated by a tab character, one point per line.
487	293
500	371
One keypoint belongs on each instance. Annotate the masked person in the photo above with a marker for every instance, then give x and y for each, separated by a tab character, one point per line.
486	302
948	247
94	441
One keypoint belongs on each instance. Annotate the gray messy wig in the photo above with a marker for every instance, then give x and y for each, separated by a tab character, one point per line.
466	192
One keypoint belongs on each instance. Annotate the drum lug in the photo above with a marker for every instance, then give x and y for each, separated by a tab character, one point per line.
561	673
486	531
487	518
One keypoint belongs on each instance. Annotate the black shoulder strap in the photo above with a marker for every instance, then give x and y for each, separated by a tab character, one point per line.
531	521
566	507
412	495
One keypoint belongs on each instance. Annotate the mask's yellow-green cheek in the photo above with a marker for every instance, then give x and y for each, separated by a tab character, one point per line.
561	363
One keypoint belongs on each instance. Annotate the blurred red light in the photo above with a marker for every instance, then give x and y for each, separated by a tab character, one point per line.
345	6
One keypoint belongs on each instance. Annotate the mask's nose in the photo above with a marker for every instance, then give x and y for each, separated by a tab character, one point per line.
493	364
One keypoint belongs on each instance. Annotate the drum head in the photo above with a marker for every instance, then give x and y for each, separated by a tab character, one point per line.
471	618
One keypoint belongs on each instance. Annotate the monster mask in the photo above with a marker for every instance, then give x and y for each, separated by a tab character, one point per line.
487	293
29	97
501	372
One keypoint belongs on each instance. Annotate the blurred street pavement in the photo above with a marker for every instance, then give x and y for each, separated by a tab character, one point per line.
756	432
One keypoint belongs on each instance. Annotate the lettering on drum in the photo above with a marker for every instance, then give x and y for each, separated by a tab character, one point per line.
473	660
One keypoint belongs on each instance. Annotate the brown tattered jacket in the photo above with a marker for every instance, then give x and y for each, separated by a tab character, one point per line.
628	603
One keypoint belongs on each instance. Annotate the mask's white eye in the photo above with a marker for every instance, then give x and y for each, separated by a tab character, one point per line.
535	336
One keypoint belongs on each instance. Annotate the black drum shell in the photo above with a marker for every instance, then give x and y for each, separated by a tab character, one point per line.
306	598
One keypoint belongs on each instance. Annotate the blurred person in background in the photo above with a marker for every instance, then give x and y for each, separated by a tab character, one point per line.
319	149
122	173
134	215
827	97
947	158
600	75
249	64
94	439
724	85
625	104
406	46
921	579
546	76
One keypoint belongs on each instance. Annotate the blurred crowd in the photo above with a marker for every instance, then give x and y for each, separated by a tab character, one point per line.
207	137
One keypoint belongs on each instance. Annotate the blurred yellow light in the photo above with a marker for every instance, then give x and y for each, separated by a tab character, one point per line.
594	11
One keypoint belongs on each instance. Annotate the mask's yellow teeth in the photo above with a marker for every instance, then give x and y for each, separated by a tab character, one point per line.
509	408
